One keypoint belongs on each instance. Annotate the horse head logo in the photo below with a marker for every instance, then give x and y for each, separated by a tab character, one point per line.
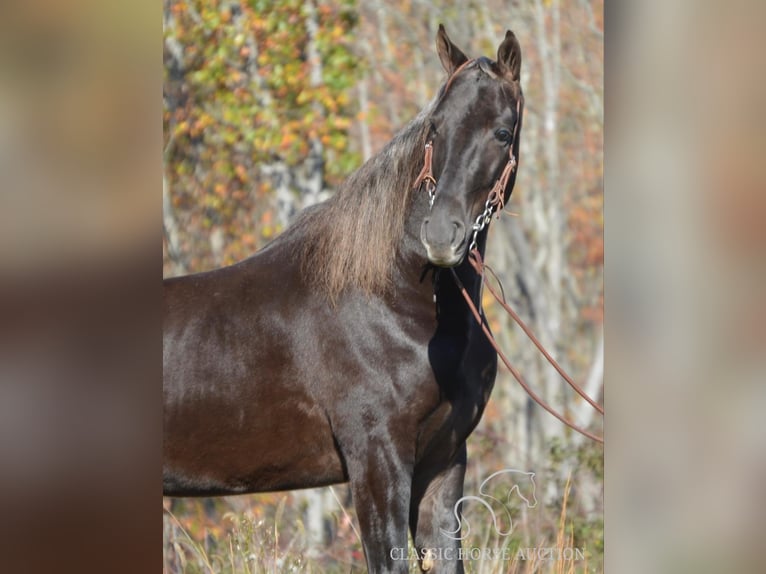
521	484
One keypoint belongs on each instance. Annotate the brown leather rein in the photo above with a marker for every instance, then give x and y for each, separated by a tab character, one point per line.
474	259
494	204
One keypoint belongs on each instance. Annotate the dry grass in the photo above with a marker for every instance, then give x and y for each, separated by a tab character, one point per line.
269	537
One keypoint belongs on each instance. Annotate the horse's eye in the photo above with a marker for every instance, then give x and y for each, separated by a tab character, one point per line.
503	135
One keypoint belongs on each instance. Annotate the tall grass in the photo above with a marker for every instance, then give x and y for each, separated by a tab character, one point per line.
266	535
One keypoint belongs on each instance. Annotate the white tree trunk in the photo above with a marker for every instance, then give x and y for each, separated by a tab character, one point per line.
172	233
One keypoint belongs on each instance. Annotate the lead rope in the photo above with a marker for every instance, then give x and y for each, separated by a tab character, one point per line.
516	374
476	262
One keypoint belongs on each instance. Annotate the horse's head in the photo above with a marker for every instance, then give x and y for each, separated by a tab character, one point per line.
472	147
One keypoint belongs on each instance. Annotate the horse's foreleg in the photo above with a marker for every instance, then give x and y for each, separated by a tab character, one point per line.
435	528
380	485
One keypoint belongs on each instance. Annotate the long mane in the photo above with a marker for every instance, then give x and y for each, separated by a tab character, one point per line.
351	240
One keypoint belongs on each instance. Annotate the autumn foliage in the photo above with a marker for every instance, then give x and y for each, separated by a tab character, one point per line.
238	95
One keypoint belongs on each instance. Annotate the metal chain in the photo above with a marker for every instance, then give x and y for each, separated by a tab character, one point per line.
481	222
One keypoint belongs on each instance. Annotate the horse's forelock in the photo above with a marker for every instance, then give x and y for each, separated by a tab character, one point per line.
486	65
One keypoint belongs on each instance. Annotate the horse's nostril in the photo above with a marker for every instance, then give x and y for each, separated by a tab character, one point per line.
458	233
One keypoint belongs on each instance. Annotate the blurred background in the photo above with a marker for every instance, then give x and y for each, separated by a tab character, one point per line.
268	106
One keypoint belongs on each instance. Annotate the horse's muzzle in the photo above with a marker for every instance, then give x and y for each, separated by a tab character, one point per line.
444	240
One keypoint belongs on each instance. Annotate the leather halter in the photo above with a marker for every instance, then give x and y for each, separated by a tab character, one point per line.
496	197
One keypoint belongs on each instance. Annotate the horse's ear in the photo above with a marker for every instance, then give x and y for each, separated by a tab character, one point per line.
450	55
509	57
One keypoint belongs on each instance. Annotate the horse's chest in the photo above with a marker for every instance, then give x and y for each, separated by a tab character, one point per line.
464	369
476	378
463	364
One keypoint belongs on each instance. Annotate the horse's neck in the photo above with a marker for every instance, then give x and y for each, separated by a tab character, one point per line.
451	304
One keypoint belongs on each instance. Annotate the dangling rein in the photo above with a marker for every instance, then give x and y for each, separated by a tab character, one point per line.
474	258
493	204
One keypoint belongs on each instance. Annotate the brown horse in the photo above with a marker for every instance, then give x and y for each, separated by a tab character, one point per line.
342	351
